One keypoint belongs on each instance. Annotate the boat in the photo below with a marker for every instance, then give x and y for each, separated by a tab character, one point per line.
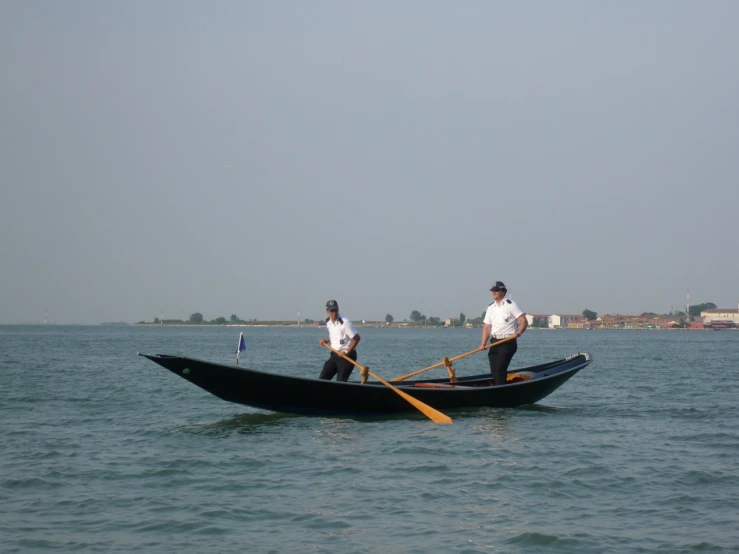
316	397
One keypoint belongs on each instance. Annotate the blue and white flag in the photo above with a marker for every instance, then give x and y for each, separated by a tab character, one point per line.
241	347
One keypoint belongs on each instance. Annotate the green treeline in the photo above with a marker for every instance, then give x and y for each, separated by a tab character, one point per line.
420	319
198	319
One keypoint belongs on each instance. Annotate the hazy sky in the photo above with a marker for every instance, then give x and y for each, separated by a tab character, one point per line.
256	158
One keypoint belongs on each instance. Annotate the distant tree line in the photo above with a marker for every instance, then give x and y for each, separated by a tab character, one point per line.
694	311
198	319
698	308
420	319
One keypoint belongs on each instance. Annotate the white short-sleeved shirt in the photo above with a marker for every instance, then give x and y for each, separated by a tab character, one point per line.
341	333
503	317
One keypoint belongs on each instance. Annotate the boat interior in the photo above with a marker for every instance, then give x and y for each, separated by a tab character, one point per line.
518	377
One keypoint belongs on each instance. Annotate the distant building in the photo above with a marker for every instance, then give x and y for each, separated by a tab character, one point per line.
537	320
722	316
619	321
581	323
557	321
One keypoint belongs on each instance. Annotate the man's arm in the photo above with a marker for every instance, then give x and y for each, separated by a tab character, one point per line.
485	335
522	324
353	344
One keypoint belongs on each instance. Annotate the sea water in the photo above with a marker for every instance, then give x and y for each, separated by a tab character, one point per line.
104	451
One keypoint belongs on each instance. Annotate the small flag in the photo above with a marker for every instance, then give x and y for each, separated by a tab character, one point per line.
241	347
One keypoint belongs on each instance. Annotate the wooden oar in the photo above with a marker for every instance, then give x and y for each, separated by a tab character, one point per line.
445	360
434	415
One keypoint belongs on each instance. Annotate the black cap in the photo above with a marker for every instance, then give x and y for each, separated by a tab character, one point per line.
498	285
332	305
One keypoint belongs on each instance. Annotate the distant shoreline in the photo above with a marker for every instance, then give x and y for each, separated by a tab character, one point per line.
378	325
363	325
412	326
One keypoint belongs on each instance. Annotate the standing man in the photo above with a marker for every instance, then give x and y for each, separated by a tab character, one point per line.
504	319
343	337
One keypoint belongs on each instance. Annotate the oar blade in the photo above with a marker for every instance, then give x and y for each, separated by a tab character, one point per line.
434	415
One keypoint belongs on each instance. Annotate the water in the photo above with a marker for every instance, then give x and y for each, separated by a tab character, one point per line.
103	451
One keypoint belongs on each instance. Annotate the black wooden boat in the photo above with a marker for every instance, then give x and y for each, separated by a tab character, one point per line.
301	395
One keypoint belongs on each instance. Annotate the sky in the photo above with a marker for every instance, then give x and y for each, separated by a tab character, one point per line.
259	158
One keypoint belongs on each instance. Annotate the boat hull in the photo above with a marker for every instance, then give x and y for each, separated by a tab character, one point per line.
299	395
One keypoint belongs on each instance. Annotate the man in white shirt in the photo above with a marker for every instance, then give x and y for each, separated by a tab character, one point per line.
343	337
503	319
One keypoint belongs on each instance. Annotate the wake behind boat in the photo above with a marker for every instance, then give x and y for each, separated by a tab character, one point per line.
307	396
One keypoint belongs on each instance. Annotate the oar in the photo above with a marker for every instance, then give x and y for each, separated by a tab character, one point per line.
434	415
443	362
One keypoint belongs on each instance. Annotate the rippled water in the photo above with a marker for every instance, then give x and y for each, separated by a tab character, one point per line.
105	451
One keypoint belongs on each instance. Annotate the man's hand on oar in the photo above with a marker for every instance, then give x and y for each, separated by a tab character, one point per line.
493	344
434	415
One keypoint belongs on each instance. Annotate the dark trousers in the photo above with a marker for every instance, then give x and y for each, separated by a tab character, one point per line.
336	365
499	358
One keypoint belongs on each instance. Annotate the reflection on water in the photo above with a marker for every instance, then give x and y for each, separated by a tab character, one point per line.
337	436
495	423
335	426
243	424
545	409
